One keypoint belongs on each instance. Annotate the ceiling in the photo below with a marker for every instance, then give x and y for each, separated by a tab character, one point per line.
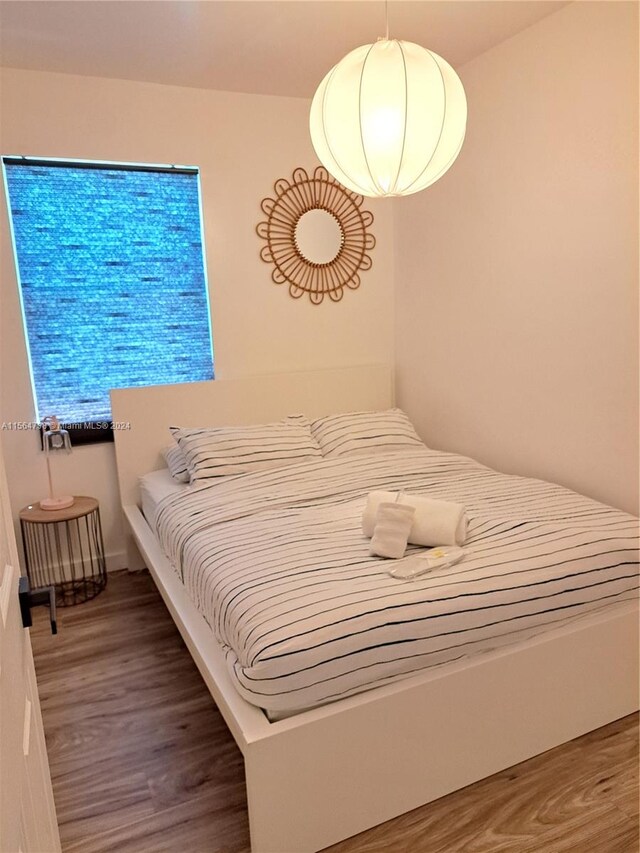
278	48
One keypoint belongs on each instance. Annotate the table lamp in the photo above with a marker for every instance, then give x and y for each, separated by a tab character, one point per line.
54	438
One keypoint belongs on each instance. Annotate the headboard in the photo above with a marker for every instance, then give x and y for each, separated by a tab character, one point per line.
150	411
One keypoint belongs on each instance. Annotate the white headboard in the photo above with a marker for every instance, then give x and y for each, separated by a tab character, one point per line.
150	411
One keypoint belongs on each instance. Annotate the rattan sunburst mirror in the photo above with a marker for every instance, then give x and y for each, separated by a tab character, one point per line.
316	236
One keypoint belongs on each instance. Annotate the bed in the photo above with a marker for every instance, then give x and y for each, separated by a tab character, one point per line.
335	743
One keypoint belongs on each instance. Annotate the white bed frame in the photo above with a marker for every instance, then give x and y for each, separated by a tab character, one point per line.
326	774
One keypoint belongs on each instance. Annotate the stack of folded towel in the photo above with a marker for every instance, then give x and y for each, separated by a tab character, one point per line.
391	519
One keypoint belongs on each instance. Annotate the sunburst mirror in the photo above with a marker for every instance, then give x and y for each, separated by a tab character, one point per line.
316	236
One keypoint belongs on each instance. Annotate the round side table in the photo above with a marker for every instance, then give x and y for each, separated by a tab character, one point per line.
64	548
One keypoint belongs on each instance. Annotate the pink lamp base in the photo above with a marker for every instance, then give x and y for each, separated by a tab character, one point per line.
57	503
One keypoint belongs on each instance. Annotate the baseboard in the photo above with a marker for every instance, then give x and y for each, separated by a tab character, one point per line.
116	561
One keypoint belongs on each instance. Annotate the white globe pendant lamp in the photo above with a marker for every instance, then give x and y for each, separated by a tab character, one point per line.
389	119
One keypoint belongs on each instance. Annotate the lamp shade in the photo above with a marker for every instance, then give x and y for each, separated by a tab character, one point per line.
389	119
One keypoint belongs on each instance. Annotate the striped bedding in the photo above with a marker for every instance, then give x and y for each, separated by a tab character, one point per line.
277	564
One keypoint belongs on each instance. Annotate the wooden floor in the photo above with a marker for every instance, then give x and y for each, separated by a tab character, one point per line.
142	761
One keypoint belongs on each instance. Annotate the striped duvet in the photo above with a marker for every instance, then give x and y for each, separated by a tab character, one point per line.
277	564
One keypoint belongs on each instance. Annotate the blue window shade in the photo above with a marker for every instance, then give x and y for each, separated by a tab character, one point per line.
111	269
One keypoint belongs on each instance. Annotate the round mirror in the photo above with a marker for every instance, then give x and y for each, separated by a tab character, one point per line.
318	236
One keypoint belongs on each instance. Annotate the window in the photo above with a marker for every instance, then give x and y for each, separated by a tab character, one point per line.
111	271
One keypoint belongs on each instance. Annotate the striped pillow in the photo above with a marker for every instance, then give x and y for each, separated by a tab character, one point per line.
357	433
176	463
222	451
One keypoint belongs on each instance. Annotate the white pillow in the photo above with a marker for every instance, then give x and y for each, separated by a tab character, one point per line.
357	433
222	451
176	463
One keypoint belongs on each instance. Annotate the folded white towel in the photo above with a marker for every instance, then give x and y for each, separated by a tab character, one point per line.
435	522
391	533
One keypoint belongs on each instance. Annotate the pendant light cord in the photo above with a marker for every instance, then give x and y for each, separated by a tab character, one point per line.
386	18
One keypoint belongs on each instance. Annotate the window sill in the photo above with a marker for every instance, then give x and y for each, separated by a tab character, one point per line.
89	432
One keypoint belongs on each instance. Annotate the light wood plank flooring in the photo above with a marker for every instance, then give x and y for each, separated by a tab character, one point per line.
141	759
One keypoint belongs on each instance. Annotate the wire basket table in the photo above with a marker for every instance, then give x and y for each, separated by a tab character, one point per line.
64	548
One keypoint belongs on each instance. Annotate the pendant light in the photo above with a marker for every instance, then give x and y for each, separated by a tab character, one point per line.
389	119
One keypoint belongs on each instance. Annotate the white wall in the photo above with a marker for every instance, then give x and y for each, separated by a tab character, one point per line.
242	144
517	273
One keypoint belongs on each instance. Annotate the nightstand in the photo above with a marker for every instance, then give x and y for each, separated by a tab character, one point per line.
64	548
